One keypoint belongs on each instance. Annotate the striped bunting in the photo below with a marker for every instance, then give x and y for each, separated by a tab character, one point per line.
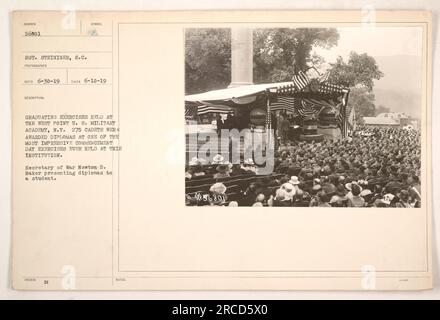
301	80
309	109
190	111
306	107
213	108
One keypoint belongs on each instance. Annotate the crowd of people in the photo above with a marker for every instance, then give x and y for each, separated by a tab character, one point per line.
374	167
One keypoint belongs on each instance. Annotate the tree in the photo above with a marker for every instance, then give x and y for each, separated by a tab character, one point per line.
207	59
363	103
360	70
279	53
359	74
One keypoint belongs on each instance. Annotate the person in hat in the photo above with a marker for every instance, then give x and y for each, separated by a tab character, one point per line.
281	199
295	182
193	162
367	195
218	159
194	169
290	190
223	171
248	166
217	194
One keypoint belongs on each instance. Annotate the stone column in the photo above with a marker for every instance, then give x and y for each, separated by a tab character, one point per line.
241	57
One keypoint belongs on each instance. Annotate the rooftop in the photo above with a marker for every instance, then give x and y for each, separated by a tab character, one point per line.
380	121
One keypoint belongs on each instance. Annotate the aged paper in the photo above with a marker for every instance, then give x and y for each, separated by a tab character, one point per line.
105	195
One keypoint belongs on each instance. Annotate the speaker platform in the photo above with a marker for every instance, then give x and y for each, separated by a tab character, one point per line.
311	137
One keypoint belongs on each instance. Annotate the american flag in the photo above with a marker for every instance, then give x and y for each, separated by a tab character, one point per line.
214	109
283	103
341	122
190	111
351	119
303	107
329	88
286	89
268	115
301	80
346	119
309	109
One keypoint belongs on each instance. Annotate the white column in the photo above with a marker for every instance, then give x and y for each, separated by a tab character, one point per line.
241	57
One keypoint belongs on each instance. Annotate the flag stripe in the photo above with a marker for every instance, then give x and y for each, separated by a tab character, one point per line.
213	108
301	80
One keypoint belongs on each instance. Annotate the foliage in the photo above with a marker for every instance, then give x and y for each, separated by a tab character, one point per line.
280	53
360	70
358	73
363	102
207	59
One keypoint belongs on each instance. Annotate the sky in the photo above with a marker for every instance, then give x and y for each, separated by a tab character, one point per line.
398	53
376	41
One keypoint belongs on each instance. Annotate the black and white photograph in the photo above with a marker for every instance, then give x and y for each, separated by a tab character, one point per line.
303	117
146	149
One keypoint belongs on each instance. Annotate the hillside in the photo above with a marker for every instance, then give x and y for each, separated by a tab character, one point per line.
400	87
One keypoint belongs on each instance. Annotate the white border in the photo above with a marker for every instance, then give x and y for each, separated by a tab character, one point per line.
5	141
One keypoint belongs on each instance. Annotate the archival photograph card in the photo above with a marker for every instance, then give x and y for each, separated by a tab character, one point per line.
221	150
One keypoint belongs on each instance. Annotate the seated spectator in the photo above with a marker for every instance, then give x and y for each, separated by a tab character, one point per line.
355	200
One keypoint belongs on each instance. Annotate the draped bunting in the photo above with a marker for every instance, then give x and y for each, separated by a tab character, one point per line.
307	99
193	109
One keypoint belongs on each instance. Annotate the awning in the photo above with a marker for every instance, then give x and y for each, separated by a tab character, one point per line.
240	95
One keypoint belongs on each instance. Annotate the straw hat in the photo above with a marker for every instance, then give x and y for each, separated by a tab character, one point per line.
294	180
249	162
290	190
365	192
218	188
218	159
